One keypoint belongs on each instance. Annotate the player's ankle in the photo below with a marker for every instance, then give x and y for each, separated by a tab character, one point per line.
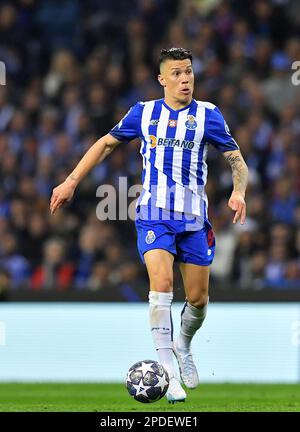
183	343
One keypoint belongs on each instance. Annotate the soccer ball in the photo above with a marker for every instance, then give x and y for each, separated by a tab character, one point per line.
147	381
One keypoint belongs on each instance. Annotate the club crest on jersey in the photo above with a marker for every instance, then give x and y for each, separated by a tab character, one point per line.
150	237
172	123
191	122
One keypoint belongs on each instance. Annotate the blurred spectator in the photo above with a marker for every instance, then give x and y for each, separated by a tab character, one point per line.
55	271
100	277
284	201
276	266
221	268
87	254
35	237
131	285
278	89
13	262
257	271
5	283
242	271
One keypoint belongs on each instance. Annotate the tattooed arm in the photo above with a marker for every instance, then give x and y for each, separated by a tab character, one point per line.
239	176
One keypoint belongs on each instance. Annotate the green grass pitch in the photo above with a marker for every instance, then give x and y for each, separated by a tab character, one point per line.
49	397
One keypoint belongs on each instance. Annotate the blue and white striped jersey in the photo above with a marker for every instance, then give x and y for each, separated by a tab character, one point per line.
174	146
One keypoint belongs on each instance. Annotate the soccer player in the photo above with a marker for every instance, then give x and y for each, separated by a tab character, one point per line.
171	214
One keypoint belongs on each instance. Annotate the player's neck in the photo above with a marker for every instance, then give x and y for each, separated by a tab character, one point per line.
176	104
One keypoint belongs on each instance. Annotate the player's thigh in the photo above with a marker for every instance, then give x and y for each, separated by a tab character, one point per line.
196	282
159	263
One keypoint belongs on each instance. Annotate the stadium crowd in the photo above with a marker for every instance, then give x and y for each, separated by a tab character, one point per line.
73	68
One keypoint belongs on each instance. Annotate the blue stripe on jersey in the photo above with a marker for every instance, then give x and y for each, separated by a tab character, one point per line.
143	175
186	156
142	135
205	215
200	154
139	125
153	131
168	161
144	141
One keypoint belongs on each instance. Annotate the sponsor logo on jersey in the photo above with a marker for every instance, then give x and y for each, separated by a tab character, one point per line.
170	142
191	122
154	122
153	141
172	123
150	237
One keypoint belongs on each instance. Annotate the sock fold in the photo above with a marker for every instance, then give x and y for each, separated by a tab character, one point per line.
192	319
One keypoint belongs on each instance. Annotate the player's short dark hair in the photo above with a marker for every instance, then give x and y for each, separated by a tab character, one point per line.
174	54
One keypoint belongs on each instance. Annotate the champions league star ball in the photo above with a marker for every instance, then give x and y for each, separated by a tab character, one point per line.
147	381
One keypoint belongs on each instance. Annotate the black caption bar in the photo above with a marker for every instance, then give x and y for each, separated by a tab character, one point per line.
97	422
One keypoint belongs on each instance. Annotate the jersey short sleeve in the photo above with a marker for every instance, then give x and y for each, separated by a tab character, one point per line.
128	127
217	132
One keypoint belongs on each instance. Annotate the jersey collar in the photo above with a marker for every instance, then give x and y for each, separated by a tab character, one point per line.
181	109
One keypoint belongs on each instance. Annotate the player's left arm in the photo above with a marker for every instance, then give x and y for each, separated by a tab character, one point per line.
218	134
240	178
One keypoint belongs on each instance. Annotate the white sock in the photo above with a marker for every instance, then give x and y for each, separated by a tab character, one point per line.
162	328
191	320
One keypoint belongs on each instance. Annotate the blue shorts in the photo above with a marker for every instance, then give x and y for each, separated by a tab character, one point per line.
188	242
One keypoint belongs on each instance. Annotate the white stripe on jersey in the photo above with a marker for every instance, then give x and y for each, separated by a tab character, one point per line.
195	155
196	197
177	155
179	197
204	163
147	113
177	163
159	159
206	104
204	176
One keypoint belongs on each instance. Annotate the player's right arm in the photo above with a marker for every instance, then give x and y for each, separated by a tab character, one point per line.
126	130
64	192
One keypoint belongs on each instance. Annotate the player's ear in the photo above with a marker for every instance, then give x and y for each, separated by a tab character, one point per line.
161	80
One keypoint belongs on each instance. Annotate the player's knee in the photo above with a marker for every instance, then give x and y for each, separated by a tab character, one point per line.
161	283
198	301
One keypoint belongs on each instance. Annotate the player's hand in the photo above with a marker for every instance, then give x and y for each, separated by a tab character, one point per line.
237	203
62	194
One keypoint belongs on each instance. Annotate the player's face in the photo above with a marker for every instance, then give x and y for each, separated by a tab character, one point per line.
177	78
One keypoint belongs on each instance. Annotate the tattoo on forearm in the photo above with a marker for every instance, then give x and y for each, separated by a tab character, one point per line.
239	171
233	160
